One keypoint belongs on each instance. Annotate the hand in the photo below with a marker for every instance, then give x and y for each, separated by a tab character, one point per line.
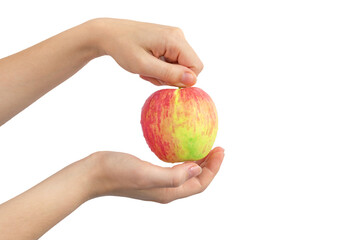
159	54
122	174
137	47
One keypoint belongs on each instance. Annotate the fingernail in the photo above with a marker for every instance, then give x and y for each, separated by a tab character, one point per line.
219	149
195	170
188	79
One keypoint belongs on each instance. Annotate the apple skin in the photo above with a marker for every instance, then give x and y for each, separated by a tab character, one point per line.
179	124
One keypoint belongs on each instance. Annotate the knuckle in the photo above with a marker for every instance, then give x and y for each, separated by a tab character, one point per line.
173	34
175	181
176	31
164	199
178	178
201	66
198	67
99	155
202	189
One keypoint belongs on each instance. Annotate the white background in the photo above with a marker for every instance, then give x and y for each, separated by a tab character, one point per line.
285	78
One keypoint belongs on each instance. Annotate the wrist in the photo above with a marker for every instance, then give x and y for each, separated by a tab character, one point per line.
97	35
93	176
93	34
80	174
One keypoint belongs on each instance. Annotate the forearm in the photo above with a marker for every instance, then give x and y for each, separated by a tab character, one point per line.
29	74
31	214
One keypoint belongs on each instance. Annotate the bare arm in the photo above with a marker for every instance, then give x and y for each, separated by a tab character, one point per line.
32	213
136	46
29	74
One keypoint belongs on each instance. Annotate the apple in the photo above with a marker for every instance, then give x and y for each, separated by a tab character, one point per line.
179	124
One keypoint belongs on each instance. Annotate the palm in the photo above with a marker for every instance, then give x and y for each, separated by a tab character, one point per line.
210	166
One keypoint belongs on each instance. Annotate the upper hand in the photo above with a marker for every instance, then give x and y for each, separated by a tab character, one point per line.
122	174
159	54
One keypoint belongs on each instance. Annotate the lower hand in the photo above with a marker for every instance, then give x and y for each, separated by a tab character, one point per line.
121	174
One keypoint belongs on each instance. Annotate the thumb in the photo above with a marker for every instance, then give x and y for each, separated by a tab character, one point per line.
173	177
156	70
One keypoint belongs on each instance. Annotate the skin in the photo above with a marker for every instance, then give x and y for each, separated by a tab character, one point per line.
159	54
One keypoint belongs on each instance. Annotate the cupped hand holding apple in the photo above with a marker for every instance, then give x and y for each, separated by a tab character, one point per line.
121	174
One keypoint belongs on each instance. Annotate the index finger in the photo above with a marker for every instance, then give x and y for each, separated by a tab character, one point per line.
189	58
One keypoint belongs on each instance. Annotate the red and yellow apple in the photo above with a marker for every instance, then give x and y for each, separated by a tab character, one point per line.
179	124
